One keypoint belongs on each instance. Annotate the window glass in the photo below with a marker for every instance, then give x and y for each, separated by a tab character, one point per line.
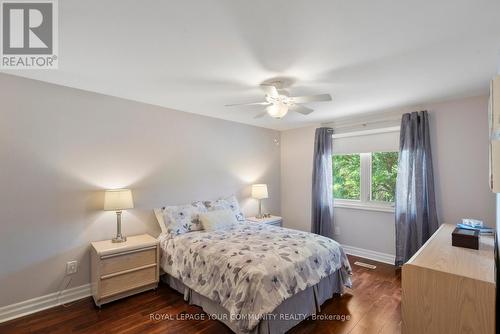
346	176
383	176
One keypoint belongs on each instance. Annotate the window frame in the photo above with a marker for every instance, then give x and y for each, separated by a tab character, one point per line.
365	202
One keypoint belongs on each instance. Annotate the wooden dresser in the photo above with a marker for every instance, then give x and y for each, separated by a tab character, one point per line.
122	269
449	289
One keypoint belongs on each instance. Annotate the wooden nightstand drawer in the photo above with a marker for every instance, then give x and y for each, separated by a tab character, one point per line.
127	260
117	283
119	270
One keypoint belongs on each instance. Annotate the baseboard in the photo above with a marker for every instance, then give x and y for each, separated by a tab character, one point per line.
37	304
369	254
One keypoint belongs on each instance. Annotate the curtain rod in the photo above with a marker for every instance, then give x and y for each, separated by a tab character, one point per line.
366	132
342	125
371	119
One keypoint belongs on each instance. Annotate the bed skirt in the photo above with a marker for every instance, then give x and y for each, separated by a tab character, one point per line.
288	314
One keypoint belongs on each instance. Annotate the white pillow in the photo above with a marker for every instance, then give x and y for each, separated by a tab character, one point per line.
217	220
229	203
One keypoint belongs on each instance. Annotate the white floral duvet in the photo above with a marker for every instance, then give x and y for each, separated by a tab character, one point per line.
250	268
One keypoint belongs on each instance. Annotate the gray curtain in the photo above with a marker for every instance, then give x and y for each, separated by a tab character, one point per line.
322	183
416	218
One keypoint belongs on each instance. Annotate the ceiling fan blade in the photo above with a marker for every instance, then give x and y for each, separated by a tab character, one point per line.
270	90
301	109
311	98
248	104
262	114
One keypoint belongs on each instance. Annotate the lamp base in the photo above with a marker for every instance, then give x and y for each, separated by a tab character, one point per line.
119	238
260	215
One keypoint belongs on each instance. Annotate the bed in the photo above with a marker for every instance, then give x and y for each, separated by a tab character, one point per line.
255	278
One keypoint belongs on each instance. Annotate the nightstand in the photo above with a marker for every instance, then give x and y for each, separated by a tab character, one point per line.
273	220
122	269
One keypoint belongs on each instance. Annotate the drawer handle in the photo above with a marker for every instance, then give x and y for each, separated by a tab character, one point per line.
103	257
128	271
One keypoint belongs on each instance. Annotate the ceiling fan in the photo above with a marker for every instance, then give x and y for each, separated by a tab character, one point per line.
279	102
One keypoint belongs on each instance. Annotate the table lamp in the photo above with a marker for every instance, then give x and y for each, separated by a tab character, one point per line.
259	191
118	200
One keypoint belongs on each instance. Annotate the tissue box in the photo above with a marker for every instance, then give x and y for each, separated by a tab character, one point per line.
465	238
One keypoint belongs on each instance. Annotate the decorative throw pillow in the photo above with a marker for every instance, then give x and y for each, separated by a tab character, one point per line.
230	203
179	219
217	220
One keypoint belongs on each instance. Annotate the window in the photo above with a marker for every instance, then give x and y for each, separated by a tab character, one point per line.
365	180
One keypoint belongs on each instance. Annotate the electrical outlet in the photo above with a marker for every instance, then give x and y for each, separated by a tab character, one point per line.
71	267
336	230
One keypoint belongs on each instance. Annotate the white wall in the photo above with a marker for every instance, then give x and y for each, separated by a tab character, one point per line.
296	175
459	136
370	230
60	147
460	141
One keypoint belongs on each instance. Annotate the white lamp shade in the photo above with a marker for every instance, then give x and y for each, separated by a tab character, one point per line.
118	199
259	191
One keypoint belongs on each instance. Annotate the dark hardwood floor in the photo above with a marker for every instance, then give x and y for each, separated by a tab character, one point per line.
372	306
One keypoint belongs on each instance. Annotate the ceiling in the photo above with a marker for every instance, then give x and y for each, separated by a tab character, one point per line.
197	56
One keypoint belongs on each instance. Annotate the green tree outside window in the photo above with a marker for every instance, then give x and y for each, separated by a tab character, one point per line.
384	172
346	176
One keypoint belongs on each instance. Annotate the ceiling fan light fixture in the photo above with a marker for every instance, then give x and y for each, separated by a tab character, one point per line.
279	101
277	110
